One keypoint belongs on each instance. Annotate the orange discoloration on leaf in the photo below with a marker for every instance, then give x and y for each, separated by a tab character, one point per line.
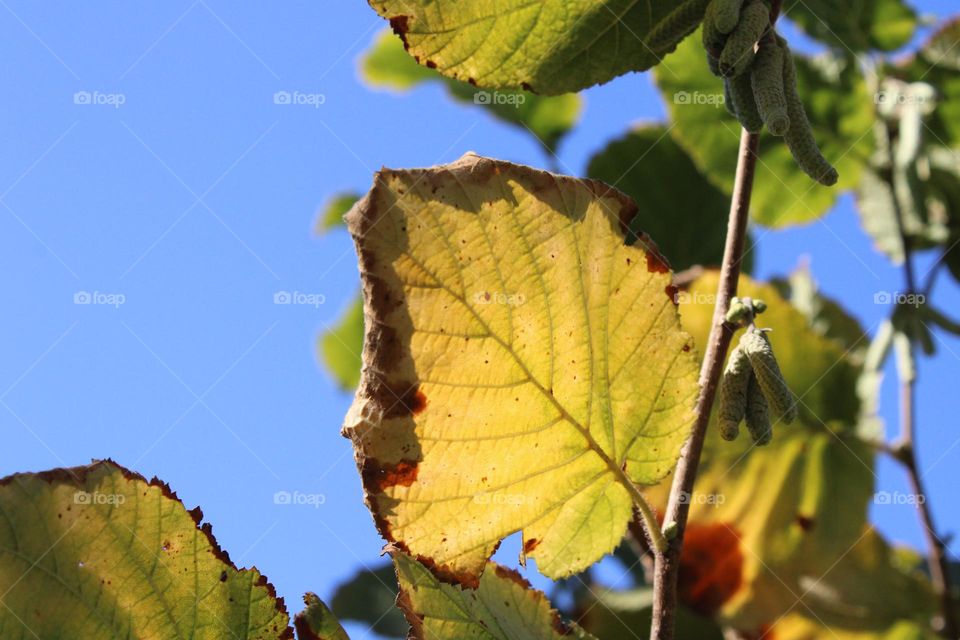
711	567
380	477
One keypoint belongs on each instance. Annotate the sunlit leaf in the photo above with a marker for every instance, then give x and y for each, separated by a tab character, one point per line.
645	164
341	346
840	111
317	622
855	27
503	607
98	553
548	119
548	47
523	365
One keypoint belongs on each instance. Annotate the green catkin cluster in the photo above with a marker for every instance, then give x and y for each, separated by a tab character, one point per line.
758	414
753	390
767	372
739	50
760	80
727	15
733	393
744	103
677	25
799	137
767	82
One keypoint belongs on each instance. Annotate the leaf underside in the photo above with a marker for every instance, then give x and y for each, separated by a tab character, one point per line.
98	553
522	365
548	47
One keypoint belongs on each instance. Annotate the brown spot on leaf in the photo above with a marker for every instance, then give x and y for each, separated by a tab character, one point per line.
711	567
805	522
530	545
656	263
671	292
378	477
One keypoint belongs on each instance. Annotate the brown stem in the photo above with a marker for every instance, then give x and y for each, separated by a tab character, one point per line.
905	451
678	506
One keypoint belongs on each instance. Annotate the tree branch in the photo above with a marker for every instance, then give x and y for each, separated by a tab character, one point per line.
721	334
905	450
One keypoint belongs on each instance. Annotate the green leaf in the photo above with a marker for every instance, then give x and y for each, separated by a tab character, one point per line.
549	47
938	63
769	523
672	194
369	597
548	119
523	366
856	27
624	614
840	111
317	622
342	345
331	214
98	552
503	607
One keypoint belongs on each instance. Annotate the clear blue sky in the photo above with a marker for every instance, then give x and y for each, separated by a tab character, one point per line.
194	201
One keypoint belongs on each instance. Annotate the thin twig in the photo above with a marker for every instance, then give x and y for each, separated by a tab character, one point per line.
905	451
721	333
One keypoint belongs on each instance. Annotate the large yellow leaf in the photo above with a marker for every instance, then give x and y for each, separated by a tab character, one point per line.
523	366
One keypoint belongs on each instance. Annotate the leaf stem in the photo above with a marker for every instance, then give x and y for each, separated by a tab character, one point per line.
721	333
905	450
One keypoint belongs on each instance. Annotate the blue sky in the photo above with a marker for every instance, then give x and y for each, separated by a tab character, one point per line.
183	198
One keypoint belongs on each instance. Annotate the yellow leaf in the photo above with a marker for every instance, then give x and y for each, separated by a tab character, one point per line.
523	366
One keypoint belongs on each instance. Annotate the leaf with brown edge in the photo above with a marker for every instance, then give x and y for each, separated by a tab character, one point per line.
317	622
503	607
98	552
523	366
548	47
